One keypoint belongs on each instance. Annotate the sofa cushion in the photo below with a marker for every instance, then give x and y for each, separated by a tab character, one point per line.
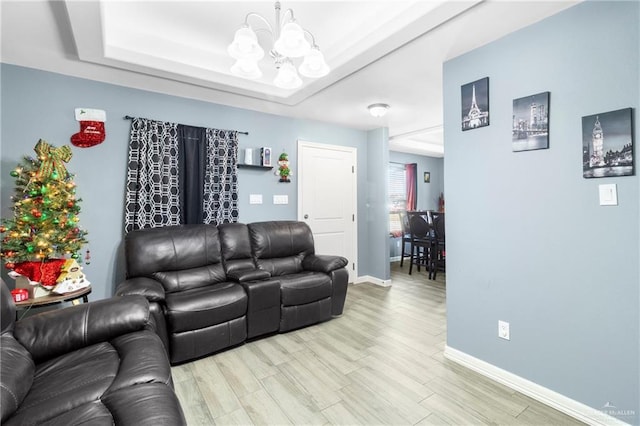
85	376
16	374
171	248
305	287
280	239
180	280
68	381
236	247
205	306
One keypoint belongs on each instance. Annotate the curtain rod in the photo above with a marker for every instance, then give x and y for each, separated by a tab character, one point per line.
128	117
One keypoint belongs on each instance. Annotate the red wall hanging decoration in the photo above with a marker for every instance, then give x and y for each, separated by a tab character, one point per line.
91	127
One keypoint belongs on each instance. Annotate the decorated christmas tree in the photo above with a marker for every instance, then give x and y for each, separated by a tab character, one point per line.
45	212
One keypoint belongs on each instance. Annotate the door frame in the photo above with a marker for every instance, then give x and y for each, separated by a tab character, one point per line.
354	195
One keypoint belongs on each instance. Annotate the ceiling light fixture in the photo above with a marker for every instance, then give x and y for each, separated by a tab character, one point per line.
378	110
289	41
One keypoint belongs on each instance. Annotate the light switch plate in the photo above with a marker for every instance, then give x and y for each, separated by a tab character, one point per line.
608	194
280	199
255	198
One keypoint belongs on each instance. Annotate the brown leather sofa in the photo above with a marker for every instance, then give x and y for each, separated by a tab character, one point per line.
215	287
98	363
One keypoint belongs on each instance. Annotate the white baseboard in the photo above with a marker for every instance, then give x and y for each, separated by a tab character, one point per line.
373	280
553	399
395	259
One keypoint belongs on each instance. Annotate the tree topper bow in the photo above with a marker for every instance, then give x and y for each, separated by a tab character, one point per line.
52	160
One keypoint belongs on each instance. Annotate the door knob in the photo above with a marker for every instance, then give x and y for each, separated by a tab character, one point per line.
306	216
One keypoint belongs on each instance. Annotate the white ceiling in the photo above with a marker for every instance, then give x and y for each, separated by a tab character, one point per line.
379	51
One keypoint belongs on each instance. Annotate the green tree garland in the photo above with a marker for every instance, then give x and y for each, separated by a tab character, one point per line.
45	210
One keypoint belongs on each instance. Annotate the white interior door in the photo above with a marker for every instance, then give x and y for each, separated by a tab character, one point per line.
327	199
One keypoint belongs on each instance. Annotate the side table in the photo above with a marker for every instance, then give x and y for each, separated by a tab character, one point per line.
53	298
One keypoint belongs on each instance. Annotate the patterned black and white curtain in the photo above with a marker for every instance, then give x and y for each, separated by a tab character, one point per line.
152	197
180	174
220	201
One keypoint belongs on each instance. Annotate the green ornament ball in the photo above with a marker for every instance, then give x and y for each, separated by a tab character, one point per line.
75	256
33	193
14	174
30	249
54	175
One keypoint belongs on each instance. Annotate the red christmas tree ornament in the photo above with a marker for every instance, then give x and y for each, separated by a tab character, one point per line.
91	127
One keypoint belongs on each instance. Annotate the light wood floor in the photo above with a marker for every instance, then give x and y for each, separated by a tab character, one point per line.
380	363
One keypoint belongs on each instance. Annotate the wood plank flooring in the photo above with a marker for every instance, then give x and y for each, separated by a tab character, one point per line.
380	363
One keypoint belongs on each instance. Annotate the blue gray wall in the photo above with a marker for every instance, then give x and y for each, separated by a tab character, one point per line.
527	241
378	205
38	104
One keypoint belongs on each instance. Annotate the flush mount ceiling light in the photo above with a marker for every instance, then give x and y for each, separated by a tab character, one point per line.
288	42
378	110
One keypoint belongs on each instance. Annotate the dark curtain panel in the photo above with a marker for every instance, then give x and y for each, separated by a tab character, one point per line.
411	174
192	160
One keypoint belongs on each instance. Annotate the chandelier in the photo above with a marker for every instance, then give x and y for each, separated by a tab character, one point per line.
289	42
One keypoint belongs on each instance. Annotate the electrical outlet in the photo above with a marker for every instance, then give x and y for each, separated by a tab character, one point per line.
503	330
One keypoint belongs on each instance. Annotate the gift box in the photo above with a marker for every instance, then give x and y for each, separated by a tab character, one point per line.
20	294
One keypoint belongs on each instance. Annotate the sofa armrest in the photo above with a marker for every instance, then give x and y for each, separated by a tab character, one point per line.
245	275
151	289
50	334
323	263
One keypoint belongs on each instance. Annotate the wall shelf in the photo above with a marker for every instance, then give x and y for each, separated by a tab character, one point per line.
254	166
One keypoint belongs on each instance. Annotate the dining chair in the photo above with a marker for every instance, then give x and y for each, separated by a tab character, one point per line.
420	240
406	236
437	258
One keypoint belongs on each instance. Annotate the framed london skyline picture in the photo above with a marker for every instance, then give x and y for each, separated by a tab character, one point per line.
607	144
530	123
475	104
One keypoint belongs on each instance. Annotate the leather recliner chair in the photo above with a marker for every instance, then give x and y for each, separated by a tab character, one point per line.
97	363
179	268
312	287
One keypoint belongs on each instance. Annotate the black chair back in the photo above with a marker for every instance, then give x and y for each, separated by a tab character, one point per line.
438	226
404	220
418	226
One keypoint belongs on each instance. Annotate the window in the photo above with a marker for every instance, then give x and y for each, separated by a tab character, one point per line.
397	197
397	187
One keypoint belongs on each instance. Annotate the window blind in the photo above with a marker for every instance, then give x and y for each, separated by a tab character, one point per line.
397	196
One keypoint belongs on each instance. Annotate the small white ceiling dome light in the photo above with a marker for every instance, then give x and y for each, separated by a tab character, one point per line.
378	110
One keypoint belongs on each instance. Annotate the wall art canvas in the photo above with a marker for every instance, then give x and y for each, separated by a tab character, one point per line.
530	126
475	104
607	144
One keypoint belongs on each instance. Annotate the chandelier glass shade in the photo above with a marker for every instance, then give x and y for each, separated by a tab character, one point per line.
289	41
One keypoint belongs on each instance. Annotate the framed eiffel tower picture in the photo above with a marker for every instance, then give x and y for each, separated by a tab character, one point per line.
475	104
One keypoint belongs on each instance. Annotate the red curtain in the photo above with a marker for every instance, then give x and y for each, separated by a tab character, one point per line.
411	177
